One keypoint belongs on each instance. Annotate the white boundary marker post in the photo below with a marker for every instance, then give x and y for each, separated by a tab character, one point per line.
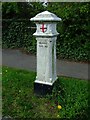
46	35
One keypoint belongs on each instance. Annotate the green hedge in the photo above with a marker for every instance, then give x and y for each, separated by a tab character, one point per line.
17	34
73	41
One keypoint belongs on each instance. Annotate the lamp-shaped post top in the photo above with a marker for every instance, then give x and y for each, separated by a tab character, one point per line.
46	24
45	16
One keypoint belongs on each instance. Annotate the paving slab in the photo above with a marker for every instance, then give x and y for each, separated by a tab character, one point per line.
17	59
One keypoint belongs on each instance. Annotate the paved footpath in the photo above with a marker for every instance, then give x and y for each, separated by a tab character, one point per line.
17	59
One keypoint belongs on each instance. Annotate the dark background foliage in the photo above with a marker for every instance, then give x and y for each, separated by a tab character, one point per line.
73	41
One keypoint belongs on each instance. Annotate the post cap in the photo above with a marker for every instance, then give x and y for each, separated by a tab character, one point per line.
45	16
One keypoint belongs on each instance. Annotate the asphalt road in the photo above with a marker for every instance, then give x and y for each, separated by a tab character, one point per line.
17	59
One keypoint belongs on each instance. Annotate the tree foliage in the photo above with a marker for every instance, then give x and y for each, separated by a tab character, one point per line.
73	41
20	10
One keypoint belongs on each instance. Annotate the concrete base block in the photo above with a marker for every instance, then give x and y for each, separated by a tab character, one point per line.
42	89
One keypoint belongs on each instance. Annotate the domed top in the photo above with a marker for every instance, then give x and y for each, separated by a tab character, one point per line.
45	16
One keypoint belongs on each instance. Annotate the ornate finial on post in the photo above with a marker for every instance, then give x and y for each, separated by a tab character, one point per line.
45	4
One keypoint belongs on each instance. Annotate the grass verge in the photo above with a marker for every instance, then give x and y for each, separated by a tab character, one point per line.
19	100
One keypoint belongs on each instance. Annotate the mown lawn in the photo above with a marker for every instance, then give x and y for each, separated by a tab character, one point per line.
19	100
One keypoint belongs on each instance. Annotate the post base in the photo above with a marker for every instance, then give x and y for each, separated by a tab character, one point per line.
42	89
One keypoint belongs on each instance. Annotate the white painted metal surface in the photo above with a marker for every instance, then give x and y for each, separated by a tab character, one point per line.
46	35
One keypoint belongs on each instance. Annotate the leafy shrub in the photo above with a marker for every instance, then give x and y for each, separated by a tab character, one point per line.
18	35
73	41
